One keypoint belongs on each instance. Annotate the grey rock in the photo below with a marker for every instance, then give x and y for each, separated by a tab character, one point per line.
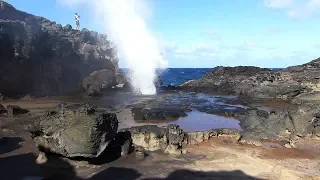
76	130
170	139
98	81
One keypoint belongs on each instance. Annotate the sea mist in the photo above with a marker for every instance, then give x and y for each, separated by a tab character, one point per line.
124	23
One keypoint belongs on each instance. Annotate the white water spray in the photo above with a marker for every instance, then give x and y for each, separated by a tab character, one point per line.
125	24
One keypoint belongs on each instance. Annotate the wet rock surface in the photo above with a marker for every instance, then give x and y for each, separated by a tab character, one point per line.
76	130
157	114
45	58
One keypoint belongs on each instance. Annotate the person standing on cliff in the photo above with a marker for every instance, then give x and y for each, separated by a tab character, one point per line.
77	18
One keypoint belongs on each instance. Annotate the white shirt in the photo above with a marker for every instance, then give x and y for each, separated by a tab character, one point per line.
76	17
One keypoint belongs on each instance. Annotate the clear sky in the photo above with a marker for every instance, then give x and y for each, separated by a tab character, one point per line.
207	33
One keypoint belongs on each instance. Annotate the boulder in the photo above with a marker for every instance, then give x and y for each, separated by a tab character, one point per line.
15	110
157	114
76	130
98	81
45	58
170	139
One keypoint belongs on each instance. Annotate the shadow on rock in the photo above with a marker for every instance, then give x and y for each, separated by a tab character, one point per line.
198	175
119	147
8	144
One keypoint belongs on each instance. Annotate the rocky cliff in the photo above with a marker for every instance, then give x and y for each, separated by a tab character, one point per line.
40	57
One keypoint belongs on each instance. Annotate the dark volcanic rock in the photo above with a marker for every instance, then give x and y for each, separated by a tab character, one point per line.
250	81
76	130
39	57
157	114
98	81
170	139
282	123
2	109
15	110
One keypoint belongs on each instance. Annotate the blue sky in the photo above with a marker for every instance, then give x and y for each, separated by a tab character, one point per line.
208	33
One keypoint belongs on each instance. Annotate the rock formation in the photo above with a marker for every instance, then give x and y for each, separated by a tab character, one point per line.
170	139
40	57
76	130
299	86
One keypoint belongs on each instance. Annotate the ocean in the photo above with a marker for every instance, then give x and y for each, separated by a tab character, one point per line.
177	76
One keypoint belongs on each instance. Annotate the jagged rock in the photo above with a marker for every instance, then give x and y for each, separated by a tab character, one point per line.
15	110
156	114
98	81
2	109
250	139
250	81
202	136
76	130
45	59
67	27
282	124
170	139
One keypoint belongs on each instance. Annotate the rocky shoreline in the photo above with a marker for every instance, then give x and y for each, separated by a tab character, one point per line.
280	108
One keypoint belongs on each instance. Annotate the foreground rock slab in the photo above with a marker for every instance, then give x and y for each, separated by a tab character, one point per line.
76	130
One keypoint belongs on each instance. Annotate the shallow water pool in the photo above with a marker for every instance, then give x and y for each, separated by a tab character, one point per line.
199	121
